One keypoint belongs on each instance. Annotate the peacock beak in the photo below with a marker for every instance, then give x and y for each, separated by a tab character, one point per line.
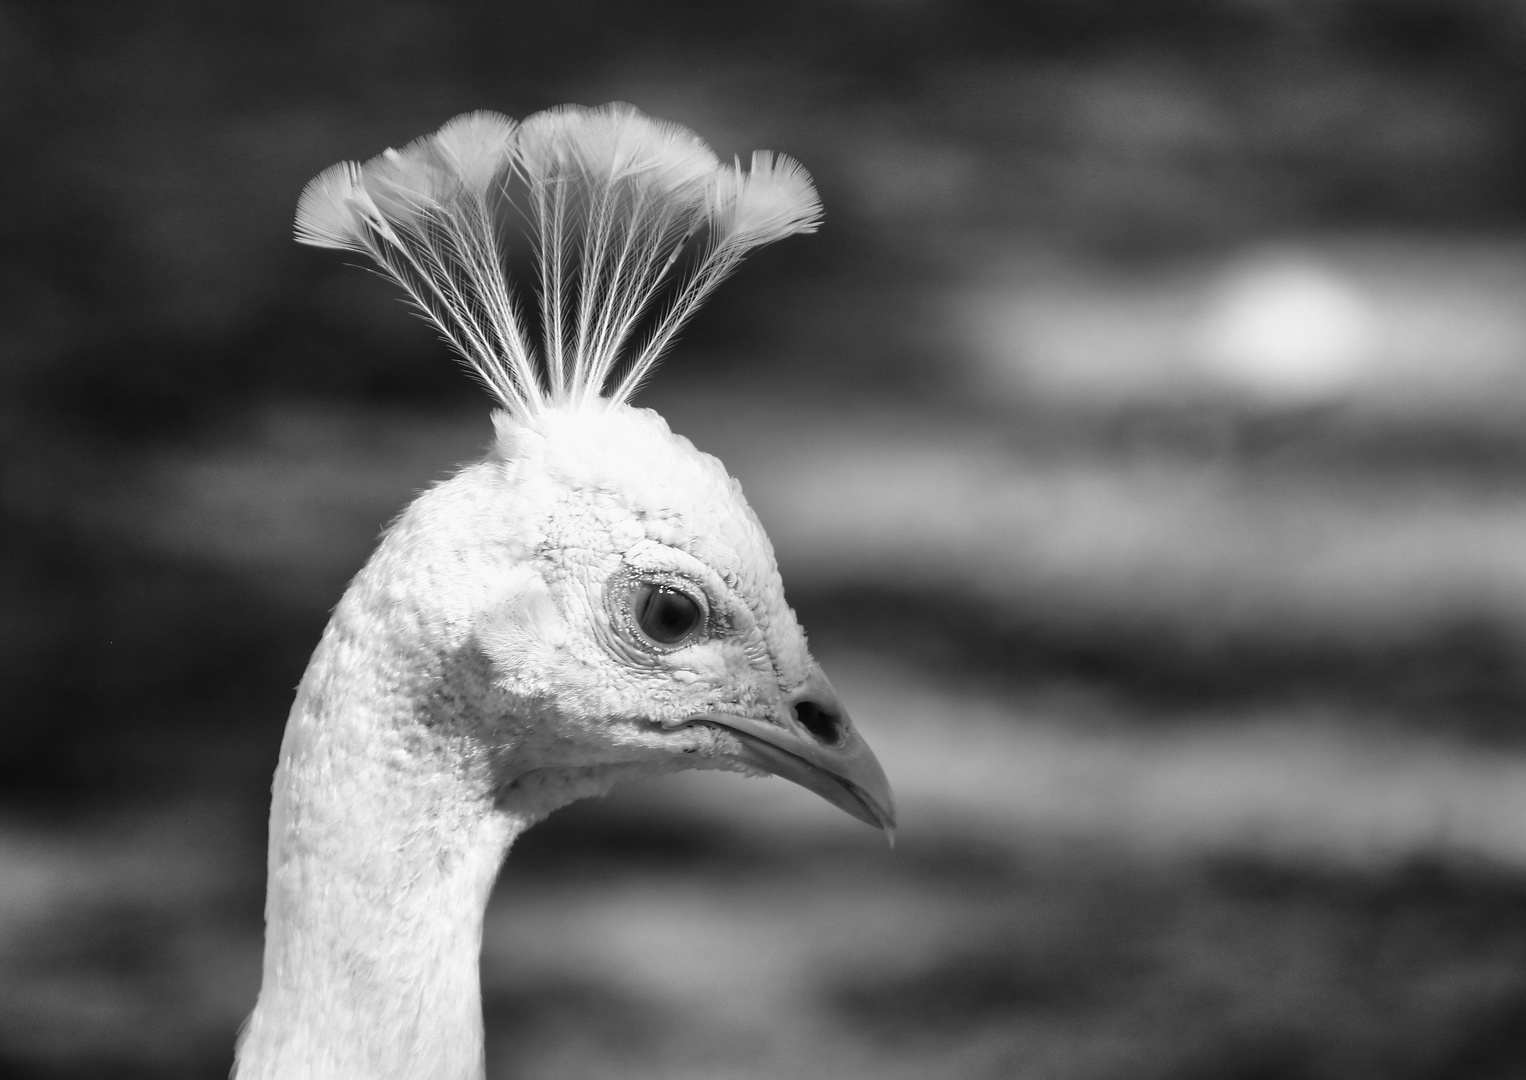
811	740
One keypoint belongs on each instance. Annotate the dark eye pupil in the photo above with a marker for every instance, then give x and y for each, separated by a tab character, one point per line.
665	615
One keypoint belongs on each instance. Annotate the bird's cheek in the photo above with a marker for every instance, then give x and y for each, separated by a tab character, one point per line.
722	678
718	666
525	629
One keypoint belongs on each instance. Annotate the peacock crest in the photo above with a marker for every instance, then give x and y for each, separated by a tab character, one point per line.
632	223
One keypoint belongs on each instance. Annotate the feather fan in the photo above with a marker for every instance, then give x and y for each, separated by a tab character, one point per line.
611	201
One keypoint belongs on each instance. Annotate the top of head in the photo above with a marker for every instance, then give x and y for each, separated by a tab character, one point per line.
625	465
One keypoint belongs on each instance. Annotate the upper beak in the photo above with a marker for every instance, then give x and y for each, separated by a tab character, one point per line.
811	741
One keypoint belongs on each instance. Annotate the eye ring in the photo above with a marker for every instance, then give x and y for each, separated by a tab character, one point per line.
660	612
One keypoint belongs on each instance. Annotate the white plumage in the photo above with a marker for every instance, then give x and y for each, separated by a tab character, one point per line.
593	600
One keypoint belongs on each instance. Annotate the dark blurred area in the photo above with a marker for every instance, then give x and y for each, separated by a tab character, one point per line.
1143	438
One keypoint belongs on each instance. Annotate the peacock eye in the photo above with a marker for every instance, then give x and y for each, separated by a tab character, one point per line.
660	611
664	614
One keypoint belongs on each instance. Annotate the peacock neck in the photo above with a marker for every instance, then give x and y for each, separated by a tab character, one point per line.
385	841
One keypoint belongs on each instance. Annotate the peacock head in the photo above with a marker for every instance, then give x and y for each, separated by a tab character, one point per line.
648	630
638	621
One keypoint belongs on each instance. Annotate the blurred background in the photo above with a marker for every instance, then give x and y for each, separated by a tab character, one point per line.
1144	443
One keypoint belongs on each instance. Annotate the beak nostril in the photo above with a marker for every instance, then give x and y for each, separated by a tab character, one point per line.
825	724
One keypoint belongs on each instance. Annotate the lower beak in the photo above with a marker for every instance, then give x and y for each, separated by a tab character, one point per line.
811	740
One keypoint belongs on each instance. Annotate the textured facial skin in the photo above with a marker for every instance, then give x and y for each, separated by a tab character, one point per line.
594	499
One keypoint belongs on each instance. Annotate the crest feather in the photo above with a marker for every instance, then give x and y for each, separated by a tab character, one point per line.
325	217
612	199
481	144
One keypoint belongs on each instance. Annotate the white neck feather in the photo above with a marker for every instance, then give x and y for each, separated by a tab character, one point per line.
384	844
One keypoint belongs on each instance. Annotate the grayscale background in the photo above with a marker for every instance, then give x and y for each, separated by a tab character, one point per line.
1143	438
